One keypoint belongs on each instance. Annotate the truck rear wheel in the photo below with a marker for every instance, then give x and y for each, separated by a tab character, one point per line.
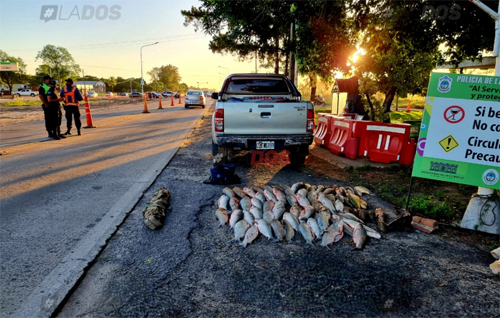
297	160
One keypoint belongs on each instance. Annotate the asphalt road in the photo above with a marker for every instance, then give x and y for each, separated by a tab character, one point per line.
192	268
62	200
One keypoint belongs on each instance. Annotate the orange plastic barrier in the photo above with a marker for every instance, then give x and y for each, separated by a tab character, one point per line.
323	132
383	142
342	140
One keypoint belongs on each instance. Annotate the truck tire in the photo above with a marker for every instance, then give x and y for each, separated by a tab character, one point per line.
297	160
215	149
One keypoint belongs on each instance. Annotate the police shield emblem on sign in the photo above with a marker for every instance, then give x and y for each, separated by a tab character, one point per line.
444	84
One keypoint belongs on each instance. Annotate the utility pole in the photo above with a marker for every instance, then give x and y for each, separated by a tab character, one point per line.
292	57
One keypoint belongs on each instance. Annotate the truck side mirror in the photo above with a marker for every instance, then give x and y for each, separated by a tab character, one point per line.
215	96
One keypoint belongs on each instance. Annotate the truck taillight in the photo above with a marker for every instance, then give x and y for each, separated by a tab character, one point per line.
310	120
202	98
219	120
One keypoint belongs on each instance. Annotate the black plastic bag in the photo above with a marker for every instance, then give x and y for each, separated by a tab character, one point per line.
223	174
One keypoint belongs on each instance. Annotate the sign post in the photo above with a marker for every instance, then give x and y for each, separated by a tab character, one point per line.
460	139
9	66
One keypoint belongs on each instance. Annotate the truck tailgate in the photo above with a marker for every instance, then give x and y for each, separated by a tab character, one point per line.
265	118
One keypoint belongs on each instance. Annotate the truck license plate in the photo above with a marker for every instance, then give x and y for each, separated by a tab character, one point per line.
265	145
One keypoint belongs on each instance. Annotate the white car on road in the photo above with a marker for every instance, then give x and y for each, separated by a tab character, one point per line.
26	92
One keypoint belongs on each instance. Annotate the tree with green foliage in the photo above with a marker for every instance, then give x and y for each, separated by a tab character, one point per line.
168	75
58	59
10	78
111	82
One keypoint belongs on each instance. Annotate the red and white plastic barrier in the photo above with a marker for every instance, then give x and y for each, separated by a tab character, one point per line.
323	131
383	142
342	140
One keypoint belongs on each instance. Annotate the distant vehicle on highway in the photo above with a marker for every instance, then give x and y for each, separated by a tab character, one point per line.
194	98
110	94
176	95
132	95
122	94
166	94
26	92
92	94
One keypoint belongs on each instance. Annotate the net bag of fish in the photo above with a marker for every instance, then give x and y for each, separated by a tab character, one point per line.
155	210
317	213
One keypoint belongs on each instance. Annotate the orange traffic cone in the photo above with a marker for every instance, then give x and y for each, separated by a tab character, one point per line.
172	100
159	103
409	106
145	106
88	114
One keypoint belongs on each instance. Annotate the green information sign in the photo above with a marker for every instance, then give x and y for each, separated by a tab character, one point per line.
460	134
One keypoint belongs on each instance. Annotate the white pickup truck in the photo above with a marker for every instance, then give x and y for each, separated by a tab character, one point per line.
262	112
26	92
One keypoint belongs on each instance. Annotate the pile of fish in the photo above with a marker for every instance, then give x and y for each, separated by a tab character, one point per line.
154	212
316	212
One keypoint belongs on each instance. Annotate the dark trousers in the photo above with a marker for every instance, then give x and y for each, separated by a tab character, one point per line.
53	119
46	116
70	112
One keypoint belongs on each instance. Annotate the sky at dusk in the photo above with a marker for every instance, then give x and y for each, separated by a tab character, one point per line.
105	38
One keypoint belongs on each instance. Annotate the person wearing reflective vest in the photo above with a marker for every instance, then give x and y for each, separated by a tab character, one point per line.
72	97
42	94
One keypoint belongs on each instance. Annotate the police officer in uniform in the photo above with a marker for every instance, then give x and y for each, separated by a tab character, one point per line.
54	111
72	97
42	94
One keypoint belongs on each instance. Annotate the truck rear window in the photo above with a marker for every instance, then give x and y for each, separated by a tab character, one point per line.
257	86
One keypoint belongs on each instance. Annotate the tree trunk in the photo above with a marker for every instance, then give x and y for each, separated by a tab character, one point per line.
277	65
372	112
389	97
313	81
286	65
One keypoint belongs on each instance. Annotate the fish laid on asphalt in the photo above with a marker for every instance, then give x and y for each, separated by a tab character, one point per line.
239	192
302	192
248	217
268	206
380	215
258	189
245	203
307	212
323	220
222	215
278	230
234	203
264	228
339	206
288	190
239	230
359	236
315	227
257	203
235	217
228	191
354	199
270	195
311	196
260	196
257	213
327	203
329	191
280	195
279	209
289	231
291	199
296	186
268	188
351	217
223	201
296	210
320	188
333	234
294	222
268	216
302	201
307	233
372	233
362	190
250	235
249	191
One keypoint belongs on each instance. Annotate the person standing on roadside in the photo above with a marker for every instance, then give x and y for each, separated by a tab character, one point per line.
72	98
54	111
42	94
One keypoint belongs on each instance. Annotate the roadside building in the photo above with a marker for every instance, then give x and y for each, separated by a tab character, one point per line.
91	86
